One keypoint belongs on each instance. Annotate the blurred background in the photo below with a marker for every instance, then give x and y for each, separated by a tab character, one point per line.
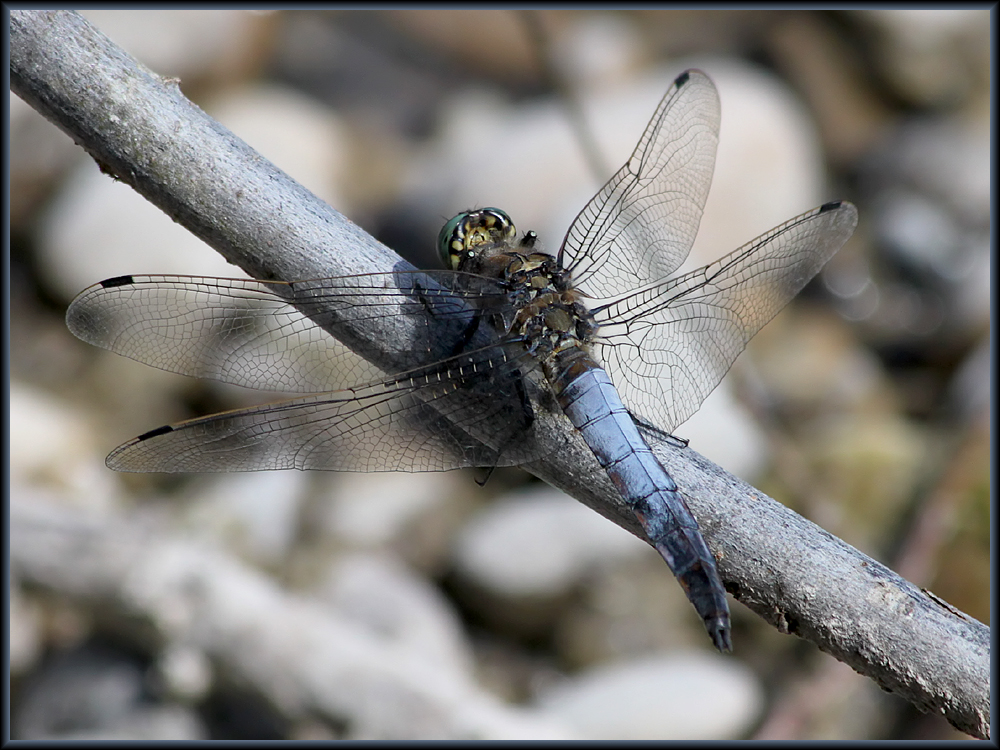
508	610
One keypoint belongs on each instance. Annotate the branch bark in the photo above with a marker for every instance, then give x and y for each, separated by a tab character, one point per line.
143	131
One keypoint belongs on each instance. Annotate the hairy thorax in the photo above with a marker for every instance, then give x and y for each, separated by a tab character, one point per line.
549	319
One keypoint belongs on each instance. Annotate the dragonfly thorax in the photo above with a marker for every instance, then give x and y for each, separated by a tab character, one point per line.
548	315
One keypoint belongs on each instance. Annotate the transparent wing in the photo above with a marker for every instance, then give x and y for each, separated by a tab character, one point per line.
448	411
667	347
470	410
640	227
248	333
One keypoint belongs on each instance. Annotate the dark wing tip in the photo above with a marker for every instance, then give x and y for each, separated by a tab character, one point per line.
682	78
117	281
154	433
846	209
114	462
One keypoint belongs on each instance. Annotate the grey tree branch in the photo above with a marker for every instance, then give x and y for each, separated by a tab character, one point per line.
143	131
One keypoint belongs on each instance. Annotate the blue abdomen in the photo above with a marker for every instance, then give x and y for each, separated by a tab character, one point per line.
588	397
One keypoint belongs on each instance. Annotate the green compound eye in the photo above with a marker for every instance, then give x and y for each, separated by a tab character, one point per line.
470	229
450	233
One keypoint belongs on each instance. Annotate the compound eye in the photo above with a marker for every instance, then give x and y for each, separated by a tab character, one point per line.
472	229
451	241
499	224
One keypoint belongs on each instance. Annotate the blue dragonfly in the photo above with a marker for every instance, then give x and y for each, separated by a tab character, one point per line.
598	331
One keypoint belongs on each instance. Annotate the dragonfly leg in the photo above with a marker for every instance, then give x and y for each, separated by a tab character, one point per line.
518	430
468	334
674	440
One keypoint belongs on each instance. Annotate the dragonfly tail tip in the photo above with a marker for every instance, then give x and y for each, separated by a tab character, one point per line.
719	631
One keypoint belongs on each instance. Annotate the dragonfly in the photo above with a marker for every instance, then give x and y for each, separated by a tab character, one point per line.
599	331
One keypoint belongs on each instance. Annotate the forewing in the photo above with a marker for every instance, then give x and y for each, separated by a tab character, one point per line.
249	333
468	411
640	227
668	346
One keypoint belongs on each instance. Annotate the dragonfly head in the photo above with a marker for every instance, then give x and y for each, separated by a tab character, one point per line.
460	237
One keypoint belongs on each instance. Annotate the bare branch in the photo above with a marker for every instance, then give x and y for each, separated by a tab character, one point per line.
141	129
